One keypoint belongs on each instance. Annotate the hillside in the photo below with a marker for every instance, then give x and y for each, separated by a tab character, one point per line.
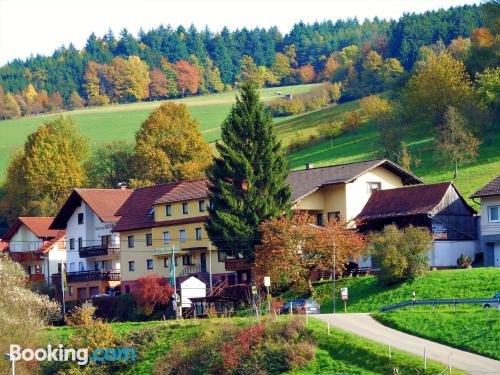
121	121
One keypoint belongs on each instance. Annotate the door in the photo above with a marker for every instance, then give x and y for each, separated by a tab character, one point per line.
496	254
203	262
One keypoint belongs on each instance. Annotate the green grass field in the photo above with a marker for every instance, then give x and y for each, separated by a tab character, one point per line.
475	331
121	121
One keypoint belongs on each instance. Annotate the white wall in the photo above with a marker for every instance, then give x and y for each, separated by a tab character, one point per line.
487	227
24	240
445	253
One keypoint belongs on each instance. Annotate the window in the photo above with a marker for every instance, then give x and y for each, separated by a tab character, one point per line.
187	260
166	237
38	268
80	243
198	233
70	290
80	218
149	239
165	262
168	210
131	265
221	256
185	208
105	240
182	235
335	215
244	276
494	214
201	206
149	264
319	219
373	186
130	240
72	267
72	244
80	266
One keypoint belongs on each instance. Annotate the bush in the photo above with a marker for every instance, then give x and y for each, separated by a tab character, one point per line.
402	253
300	142
464	261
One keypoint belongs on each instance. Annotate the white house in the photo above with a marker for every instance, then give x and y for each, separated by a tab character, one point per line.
88	216
490	221
37	248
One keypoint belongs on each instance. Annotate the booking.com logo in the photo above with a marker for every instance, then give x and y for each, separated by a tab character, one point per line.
62	354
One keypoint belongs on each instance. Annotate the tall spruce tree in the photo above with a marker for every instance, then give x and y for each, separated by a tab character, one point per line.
248	178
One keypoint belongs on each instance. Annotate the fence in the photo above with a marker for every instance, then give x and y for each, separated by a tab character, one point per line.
434	302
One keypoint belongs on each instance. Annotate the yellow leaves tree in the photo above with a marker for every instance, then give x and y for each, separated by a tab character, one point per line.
30	94
169	147
373	106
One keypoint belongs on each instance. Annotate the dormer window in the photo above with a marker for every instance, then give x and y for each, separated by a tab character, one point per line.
80	218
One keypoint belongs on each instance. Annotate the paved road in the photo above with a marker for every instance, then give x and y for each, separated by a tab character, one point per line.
365	326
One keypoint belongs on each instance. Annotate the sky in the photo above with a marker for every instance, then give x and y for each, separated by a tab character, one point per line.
30	27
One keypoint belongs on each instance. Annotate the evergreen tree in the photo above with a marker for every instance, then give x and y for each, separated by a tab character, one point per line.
248	178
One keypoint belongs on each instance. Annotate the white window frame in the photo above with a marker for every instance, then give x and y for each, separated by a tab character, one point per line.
498	214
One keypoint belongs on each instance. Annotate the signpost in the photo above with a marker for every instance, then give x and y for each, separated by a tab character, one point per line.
345	296
267	284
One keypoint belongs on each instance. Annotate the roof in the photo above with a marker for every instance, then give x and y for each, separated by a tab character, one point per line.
306	181
185	190
47	246
406	201
39	225
104	202
4	246
491	188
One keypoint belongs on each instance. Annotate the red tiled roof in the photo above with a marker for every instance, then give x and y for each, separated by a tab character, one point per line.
40	226
405	201
4	246
305	181
47	246
104	202
186	190
491	188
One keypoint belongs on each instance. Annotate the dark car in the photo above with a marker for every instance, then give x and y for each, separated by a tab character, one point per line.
301	306
493	304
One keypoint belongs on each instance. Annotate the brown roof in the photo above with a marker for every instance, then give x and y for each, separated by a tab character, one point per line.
104	202
4	246
135	213
39	225
306	181
48	245
405	201
491	188
184	191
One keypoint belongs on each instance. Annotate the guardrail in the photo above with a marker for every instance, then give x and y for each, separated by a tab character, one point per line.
434	302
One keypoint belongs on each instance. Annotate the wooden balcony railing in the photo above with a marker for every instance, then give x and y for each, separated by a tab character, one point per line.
98	250
72	277
237	265
27	256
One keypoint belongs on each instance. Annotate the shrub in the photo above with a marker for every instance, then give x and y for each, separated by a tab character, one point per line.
402	253
300	142
151	292
464	261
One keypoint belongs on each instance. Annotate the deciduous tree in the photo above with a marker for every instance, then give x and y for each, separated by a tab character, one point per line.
306	73
188	77
150	292
76	101
158	87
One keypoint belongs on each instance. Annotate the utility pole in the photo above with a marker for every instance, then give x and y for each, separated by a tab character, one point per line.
210	264
334	275
63	276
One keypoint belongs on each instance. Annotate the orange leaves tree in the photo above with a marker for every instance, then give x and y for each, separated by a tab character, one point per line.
151	292
292	250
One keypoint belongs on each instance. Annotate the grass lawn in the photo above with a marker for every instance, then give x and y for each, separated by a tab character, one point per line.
475	331
121	121
366	295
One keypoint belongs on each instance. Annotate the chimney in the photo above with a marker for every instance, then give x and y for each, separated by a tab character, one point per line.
309	166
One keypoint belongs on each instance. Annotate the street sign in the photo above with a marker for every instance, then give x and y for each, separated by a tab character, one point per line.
267	281
254	290
344	294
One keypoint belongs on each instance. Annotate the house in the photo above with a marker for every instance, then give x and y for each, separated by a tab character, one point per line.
438	207
158	219
39	249
93	263
489	196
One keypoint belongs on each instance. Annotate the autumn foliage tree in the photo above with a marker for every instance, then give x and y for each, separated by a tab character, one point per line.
188	77
292	249
150	292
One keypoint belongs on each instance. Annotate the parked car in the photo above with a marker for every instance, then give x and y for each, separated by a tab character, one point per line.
300	306
493	304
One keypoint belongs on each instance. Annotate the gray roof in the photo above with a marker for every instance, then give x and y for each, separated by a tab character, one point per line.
491	188
305	181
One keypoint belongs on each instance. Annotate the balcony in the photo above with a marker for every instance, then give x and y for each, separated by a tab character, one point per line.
237	265
82	276
161	251
37	277
27	256
99	250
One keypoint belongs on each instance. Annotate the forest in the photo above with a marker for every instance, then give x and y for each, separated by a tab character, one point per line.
369	57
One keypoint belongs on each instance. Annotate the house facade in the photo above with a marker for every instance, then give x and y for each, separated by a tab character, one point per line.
93	250
489	196
160	219
438	207
37	248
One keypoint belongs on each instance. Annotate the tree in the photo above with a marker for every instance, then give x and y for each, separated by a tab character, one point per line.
188	77
169	146
402	253
56	101
250	72
331	130
248	178
282	67
373	106
330	68
352	121
292	250
306	73
390	70
9	107
158	87
454	142
76	101
30	94
137	78
40	178
22	310
150	292
438	83
111	164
